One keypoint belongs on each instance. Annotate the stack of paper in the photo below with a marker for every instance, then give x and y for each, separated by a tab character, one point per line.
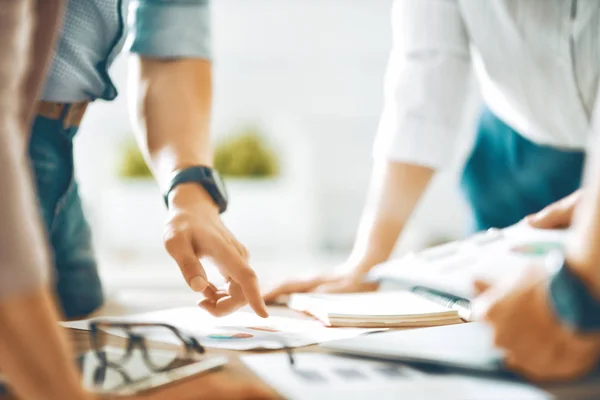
237	331
331	377
374	310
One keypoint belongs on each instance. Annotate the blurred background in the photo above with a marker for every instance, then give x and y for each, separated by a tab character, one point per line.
298	92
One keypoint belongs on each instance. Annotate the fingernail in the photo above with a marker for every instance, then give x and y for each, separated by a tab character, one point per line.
198	283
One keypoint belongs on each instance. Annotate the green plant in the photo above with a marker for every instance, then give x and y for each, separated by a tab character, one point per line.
133	164
246	155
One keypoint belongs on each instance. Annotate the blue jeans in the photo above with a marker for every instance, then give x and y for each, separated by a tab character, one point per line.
508	177
76	277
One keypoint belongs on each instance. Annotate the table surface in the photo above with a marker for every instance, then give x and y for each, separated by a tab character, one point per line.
234	381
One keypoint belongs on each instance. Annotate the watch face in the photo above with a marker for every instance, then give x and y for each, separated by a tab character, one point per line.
220	185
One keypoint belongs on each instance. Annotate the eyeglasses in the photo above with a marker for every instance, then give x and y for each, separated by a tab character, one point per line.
136	335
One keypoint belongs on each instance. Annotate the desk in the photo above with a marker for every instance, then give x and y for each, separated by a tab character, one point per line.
234	381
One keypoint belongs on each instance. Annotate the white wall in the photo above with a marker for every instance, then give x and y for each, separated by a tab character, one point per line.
314	67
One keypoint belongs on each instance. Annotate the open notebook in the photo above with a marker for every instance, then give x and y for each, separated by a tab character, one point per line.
446	274
374	310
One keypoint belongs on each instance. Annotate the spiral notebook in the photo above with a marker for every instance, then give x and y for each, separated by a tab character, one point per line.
374	310
446	274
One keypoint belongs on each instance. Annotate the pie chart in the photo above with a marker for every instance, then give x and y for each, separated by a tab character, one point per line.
230	336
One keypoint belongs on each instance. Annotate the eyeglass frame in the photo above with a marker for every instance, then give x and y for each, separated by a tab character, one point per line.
190	344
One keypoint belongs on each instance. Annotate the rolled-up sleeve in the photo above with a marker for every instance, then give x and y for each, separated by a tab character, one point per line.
426	83
170	28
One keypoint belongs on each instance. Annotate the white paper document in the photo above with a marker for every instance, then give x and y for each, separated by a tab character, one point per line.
238	331
325	376
489	256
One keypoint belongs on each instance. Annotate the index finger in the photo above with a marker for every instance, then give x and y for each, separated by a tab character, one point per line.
230	260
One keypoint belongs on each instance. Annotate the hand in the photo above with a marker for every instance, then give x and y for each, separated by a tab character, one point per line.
194	231
332	283
556	215
536	344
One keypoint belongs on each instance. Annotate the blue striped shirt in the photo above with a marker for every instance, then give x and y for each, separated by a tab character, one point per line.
94	32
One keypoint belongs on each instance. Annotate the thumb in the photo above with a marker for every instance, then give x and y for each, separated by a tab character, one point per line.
479	308
553	216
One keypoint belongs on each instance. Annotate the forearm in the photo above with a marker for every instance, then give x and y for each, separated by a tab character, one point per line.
583	249
172	110
34	355
395	190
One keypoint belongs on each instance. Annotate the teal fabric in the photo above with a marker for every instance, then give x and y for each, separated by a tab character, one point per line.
76	276
508	177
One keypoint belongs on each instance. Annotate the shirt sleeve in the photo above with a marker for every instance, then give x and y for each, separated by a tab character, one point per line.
426	83
170	28
24	261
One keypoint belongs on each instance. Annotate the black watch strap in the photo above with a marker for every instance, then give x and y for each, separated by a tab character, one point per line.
204	176
573	303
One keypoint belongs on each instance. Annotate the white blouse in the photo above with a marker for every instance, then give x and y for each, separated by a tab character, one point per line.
537	63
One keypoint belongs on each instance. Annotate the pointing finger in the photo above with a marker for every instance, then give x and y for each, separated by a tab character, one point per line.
228	259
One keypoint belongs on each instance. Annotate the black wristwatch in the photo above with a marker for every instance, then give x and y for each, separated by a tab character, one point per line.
206	177
572	301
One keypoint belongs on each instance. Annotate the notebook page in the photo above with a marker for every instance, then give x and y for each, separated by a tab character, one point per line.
377	304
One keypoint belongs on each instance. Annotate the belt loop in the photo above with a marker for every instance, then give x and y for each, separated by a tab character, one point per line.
70	114
64	114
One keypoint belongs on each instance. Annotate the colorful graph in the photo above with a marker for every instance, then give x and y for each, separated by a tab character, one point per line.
536	248
229	336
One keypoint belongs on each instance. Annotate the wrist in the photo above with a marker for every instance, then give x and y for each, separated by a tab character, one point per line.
165	164
191	193
363	262
584	260
197	184
573	302
586	271
356	270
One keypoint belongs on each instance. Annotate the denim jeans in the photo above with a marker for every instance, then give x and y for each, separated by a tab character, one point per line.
508	177
77	283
